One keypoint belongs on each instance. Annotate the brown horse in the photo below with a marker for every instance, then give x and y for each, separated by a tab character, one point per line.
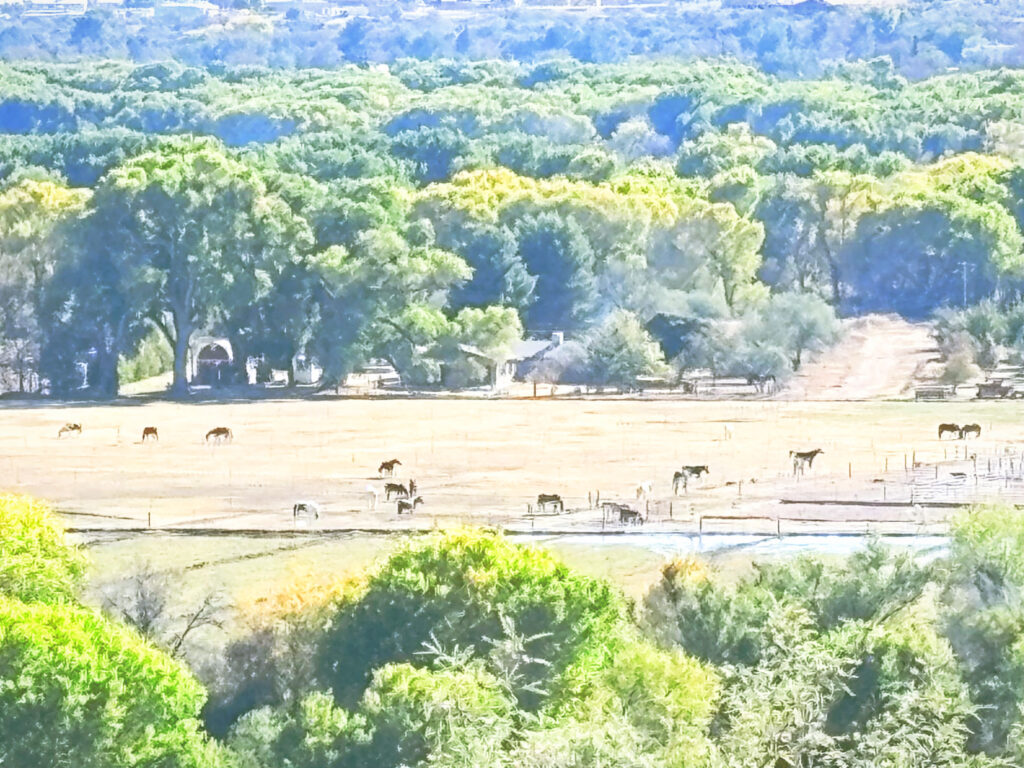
970	430
70	429
219	435
409	506
949	429
150	432
388	467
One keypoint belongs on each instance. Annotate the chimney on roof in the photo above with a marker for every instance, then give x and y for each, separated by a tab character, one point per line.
558	337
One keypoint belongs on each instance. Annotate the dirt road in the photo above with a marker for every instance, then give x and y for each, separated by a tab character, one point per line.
876	358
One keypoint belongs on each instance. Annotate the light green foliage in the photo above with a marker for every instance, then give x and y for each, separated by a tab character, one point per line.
76	689
456	718
469	591
36	564
798	323
153	357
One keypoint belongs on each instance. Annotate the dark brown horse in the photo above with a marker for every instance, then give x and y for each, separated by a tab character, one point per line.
150	432
400	491
686	474
970	430
544	499
388	467
70	429
409	506
628	515
949	429
219	435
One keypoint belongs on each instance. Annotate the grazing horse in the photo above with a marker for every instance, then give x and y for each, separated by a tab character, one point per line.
686	474
644	489
951	429
409	506
150	432
372	496
400	491
306	508
70	429
388	467
629	515
970	430
219	435
804	460
553	499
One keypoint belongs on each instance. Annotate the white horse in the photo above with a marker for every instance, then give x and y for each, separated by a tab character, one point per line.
372	497
644	489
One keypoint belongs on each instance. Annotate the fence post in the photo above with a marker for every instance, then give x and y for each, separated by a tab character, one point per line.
778	527
849	468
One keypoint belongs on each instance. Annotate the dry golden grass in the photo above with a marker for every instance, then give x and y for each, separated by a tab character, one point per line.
475	461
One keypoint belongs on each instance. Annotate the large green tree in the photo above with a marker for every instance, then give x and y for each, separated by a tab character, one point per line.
193	231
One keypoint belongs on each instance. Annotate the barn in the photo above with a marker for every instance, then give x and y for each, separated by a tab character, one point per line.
209	361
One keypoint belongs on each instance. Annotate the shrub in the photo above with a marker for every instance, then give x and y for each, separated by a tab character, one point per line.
35	562
463	591
76	689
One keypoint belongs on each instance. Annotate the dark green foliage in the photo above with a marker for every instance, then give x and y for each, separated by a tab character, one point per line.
724	624
558	252
499	274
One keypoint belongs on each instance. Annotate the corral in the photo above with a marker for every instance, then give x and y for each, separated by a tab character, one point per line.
484	462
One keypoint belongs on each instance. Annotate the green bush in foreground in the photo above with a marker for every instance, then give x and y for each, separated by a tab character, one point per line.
35	562
78	690
473	593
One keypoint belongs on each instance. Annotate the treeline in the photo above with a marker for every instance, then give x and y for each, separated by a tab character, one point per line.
463	650
923	38
665	215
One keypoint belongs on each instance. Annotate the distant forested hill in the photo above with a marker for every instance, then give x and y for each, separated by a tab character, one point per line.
795	39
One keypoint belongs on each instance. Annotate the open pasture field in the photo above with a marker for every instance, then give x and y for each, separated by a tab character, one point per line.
474	461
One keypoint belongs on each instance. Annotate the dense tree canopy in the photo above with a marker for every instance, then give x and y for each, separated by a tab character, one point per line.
353	213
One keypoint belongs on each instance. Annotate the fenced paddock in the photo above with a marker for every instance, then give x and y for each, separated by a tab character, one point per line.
484	462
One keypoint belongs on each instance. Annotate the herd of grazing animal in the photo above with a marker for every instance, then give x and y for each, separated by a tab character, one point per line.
408	500
404	494
215	435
